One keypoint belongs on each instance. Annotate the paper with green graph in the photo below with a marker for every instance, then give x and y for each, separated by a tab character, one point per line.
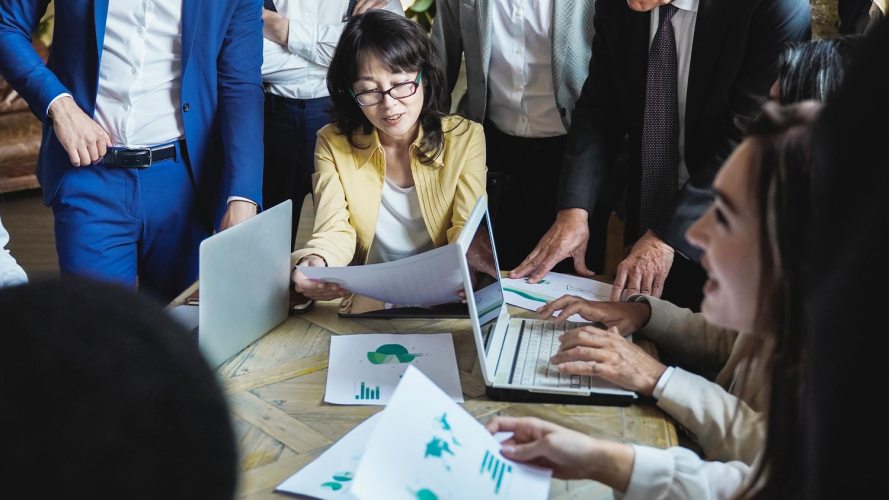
422	446
520	293
441	452
365	369
331	475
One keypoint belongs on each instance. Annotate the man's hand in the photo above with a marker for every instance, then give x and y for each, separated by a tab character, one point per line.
627	317
362	6
275	27
568	236
238	211
645	270
606	354
84	140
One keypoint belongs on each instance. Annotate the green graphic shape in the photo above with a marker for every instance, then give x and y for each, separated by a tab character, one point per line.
443	420
496	468
338	479
332	485
529	296
343	476
391	354
437	448
365	392
426	494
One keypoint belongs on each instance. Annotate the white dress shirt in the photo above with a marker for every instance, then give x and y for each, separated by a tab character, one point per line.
299	71
684	27
401	230
11	273
140	73
521	98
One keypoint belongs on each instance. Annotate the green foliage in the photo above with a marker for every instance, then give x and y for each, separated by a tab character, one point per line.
423	12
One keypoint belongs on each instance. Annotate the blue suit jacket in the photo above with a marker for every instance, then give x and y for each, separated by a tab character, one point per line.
221	92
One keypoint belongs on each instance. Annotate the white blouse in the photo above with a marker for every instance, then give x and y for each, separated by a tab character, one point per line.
401	230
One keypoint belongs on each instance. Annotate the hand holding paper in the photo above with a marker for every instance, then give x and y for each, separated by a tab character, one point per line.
427	279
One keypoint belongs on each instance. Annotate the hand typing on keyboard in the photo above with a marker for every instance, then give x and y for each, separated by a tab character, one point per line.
606	354
627	317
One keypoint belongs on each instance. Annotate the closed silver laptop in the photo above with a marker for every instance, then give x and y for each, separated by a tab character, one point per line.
244	278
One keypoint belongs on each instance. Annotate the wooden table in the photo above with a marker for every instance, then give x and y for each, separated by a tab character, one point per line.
275	389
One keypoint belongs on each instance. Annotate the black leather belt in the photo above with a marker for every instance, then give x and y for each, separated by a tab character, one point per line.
138	157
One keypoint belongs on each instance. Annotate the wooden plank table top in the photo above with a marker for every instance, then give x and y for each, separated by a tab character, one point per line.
275	389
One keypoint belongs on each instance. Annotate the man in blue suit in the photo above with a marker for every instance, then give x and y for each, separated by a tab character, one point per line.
152	128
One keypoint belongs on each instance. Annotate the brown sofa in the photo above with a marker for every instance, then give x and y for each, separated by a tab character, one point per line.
19	138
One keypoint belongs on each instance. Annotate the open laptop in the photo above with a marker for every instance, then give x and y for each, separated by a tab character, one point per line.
244	284
514	352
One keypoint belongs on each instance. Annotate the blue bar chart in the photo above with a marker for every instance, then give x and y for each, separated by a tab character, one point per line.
365	393
496	468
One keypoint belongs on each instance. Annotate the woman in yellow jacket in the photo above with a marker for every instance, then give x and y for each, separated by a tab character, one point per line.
393	175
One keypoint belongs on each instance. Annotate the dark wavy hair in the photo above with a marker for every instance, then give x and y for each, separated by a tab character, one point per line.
781	183
402	45
815	69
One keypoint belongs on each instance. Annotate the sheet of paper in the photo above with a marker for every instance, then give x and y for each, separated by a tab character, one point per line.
331	474
365	369
426	279
520	293
425	446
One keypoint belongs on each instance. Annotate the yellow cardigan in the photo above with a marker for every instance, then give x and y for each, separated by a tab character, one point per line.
348	189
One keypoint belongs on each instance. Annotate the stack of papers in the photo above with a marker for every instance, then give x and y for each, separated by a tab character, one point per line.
422	446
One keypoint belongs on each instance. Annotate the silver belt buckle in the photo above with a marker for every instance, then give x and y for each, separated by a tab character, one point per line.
149	156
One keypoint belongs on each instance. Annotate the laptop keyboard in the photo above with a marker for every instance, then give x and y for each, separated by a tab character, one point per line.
538	341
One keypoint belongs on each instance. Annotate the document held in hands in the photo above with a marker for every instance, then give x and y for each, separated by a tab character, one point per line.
421	446
426	279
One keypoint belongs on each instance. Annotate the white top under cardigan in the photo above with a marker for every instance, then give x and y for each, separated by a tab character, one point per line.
401	231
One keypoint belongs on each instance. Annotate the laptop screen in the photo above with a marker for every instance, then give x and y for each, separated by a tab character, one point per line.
484	273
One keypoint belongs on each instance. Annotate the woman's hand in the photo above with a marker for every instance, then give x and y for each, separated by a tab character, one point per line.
628	317
315	290
570	454
606	354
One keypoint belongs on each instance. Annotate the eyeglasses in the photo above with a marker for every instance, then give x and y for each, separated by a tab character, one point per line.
400	91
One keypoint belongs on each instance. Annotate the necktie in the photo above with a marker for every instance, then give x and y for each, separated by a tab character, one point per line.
660	126
269	5
349	10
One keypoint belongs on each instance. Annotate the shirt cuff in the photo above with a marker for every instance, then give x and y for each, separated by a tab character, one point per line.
653	470
56	98
662	383
239	198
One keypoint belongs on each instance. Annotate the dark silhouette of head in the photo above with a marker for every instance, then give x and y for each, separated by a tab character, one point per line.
105	396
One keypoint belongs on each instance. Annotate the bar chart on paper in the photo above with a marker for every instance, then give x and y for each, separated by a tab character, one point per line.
365	393
496	469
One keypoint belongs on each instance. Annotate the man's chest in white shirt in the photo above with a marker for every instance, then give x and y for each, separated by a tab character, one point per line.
140	72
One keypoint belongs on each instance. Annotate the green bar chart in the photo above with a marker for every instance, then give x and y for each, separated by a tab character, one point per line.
365	393
496	468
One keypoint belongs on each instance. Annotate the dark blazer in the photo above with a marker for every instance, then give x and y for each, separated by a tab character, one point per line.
221	85
733	64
